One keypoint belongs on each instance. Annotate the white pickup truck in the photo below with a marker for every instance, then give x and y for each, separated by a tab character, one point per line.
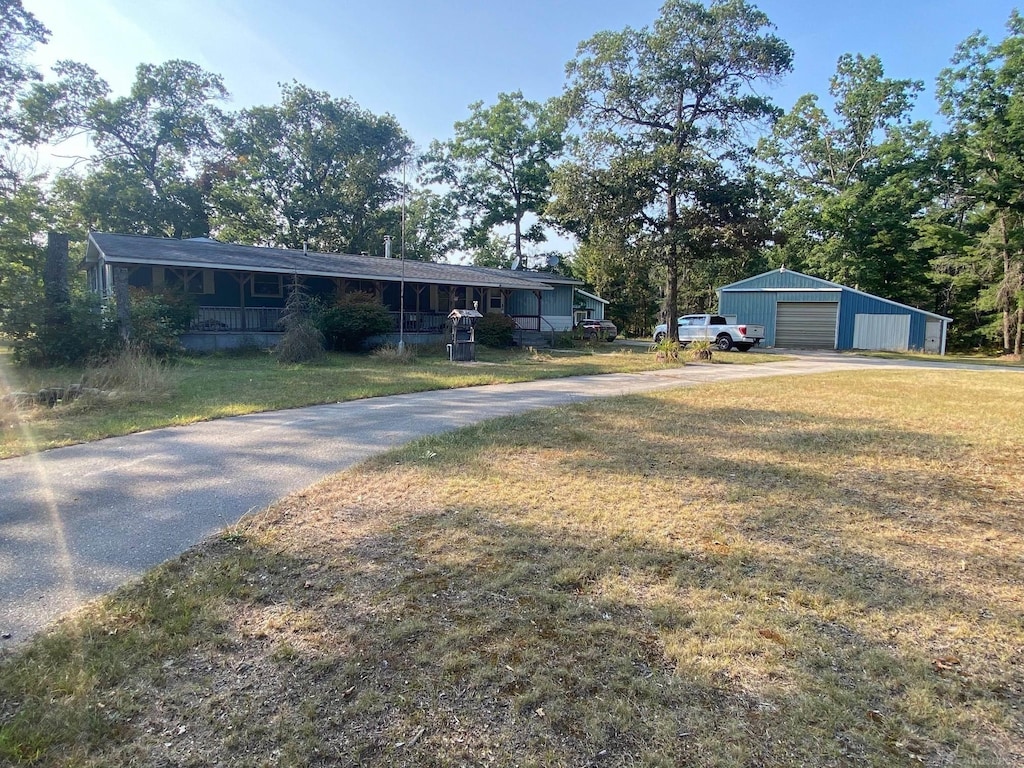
720	330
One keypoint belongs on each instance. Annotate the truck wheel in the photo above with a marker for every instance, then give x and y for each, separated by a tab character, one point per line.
658	337
724	343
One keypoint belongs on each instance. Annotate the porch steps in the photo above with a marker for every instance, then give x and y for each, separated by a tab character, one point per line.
534	339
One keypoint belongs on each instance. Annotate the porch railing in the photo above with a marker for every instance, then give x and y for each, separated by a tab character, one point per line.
268	319
527	322
422	322
213	319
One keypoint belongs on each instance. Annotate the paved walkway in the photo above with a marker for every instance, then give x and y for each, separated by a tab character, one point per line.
77	522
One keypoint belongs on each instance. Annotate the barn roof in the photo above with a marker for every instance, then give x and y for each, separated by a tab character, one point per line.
787	280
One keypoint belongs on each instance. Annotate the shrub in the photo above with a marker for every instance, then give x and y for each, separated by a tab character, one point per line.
347	325
496	330
158	320
66	334
563	340
667	349
700	349
86	327
301	344
302	341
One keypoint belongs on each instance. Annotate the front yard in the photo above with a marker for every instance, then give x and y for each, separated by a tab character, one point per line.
818	570
148	395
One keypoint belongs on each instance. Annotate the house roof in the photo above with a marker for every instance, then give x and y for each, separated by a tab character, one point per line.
764	282
592	296
209	254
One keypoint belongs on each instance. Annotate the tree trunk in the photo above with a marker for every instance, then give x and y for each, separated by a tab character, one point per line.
519	235
672	262
1019	296
1005	300
1020	332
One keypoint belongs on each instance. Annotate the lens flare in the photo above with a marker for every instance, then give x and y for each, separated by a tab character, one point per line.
49	520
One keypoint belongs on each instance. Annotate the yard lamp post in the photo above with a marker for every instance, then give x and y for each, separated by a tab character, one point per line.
401	299
401	292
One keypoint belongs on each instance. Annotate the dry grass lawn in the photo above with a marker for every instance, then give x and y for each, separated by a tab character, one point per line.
822	571
142	393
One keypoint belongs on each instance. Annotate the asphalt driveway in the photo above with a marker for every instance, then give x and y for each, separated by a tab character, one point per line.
77	522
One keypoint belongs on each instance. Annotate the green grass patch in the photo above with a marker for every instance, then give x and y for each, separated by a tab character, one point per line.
201	388
820	570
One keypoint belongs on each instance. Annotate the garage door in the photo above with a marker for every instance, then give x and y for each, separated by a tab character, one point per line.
806	324
890	332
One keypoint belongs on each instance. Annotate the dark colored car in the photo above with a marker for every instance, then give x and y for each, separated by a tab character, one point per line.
592	330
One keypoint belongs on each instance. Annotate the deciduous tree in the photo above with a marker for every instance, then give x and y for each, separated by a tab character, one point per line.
431	226
665	112
19	32
499	168
150	145
314	169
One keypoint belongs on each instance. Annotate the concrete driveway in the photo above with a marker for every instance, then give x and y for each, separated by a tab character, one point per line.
77	522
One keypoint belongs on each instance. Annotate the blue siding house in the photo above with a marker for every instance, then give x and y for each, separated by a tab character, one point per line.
807	312
239	291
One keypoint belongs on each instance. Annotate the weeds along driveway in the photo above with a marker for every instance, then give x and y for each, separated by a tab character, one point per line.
77	522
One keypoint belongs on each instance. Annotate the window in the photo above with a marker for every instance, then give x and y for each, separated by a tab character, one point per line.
188	280
495	302
265	285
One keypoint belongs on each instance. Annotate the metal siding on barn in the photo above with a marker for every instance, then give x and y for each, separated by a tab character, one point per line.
806	325
781	279
753	307
888	332
855	304
761	299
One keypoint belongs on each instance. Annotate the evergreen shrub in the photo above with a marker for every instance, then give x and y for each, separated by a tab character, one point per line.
496	330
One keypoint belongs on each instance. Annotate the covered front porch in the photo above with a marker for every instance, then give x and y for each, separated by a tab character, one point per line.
215	328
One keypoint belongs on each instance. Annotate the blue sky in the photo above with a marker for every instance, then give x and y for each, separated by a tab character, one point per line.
426	61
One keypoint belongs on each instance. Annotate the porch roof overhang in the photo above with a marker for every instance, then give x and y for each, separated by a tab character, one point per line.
210	254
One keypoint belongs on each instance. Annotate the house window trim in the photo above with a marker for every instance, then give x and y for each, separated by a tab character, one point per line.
186	275
267	294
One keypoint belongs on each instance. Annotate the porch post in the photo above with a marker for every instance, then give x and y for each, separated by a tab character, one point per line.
241	278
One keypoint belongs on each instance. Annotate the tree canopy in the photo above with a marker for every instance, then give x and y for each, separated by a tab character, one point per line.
149	145
313	169
499	167
851	185
20	31
647	158
982	95
664	112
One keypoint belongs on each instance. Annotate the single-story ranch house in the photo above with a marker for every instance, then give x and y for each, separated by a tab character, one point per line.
240	290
